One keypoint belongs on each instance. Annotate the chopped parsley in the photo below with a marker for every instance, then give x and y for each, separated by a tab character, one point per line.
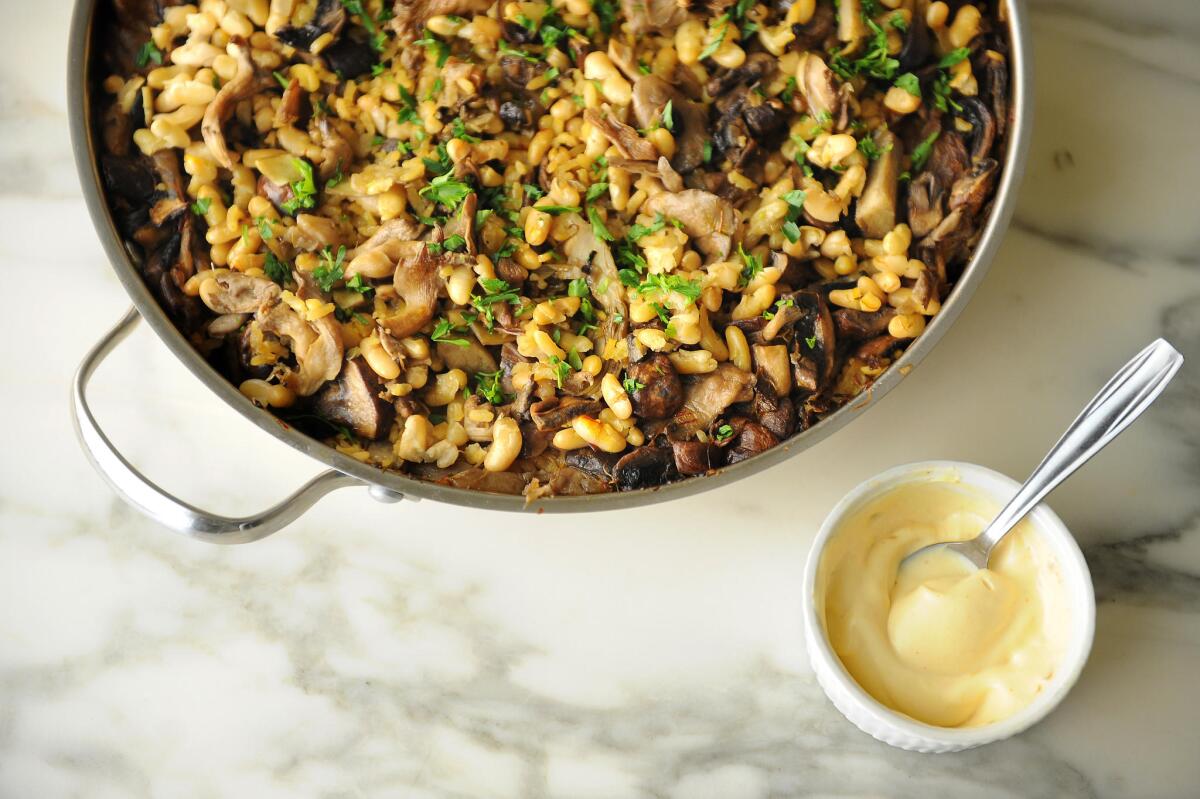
715	45
606	13
875	62
724	433
561	368
439	50
920	153
668	116
598	228
708	150
148	53
868	147
786	302
555	210
331	269
201	206
378	37
630	385
264	228
910	83
284	81
533	193
811	342
752	265
789	90
595	190
667	283
639	232
447	191
442	331
304	190
953	57
795	200
495	291
356	283
487	385
275	269
458	130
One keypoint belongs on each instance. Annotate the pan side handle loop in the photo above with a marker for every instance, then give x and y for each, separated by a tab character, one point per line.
163	507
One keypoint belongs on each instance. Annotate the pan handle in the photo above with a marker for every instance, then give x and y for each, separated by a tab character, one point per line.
156	503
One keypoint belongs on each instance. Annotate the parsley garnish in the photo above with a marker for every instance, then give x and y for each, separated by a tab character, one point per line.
870	149
789	90
378	37
496	291
444	189
304	190
555	210
147	54
638	232
595	190
752	265
275	269
356	283
667	283
724	433
561	369
910	83
437	48
668	116
630	385
331	269
441	332
875	63
264	228
284	81
201	206
811	342
598	228
715	44
920	153
953	57
487	385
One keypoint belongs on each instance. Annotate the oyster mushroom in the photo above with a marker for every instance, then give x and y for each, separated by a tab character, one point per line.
749	439
317	345
707	397
876	210
353	401
236	293
771	364
648	16
650	95
472	359
706	218
623	137
238	88
817	84
983	127
558	412
662	170
694	457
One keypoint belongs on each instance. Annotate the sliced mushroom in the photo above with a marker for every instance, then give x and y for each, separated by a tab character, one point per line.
662	170
776	413
756	67
599	464
236	293
785	316
558	412
351	56
813	350
816	33
648	16
694	457
472	359
353	401
973	189
771	364
995	88
317	347
915	50
645	467
288	111
237	88
479	479
817	84
706	218
749	439
399	229
585	250
983	127
876	211
855	325
707	397
571	482
661	392
306	24
623	137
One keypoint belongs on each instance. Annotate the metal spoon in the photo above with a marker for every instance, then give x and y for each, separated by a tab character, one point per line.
1123	398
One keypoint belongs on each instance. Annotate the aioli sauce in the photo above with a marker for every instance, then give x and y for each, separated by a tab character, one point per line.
939	640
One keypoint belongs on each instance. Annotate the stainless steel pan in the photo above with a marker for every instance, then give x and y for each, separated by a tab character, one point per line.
343	471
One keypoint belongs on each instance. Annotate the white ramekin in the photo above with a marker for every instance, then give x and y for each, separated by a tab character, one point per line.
900	730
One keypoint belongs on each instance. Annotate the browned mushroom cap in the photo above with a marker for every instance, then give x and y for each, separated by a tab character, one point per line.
876	212
571	482
623	137
317	346
973	189
771	365
854	325
472	359
353	401
558	412
235	293
814	34
707	397
479	479
777	414
915	50
994	88
706	218
593	462
749	439
983	127
819	88
239	87
647	16
813	350
644	467
695	457
660	392
650	95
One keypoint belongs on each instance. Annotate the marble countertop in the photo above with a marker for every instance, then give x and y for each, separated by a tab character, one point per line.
420	650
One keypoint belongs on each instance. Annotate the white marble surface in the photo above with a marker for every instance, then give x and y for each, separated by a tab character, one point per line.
426	651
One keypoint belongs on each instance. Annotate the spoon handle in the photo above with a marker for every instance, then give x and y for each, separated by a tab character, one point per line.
1123	398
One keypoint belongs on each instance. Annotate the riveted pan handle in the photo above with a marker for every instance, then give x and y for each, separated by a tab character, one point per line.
156	503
